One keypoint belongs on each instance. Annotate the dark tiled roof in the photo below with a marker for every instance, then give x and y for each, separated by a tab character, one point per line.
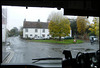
29	24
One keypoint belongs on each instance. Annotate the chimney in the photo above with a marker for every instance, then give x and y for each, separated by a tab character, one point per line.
38	20
24	19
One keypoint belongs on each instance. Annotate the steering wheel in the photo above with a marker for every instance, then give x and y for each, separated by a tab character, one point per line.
77	56
98	57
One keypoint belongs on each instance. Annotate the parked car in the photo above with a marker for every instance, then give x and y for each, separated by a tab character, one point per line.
58	37
95	39
39	37
68	37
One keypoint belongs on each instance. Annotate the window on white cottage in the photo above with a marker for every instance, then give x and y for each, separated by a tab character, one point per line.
36	30
26	30
30	34
26	35
35	36
47	34
43	30
43	35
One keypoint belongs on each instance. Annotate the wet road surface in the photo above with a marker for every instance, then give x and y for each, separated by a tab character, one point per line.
25	51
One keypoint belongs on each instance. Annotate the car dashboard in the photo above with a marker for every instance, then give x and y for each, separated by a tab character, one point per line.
82	60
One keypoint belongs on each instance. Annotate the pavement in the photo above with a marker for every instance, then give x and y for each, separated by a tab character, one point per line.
5	55
6	51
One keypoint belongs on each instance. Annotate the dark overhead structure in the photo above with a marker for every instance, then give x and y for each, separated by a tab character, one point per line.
71	7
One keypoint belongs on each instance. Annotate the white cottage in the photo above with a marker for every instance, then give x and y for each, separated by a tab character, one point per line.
35	29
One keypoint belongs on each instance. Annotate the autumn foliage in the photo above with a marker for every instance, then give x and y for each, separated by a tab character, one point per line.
59	26
82	23
95	26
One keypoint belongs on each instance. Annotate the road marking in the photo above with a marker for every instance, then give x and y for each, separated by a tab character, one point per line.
8	59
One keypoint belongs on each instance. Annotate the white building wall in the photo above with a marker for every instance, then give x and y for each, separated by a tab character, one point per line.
46	33
4	23
24	33
31	31
3	33
70	33
38	33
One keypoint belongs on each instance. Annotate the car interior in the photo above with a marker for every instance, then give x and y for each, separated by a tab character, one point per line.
71	7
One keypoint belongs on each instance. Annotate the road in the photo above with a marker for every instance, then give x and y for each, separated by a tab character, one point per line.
25	51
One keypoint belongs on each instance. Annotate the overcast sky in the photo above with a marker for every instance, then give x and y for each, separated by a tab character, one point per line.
16	15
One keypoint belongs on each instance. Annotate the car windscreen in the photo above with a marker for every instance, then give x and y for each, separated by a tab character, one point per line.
35	32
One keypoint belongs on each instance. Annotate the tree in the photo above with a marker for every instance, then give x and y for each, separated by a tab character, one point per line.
73	26
59	25
82	23
8	32
89	32
95	26
14	32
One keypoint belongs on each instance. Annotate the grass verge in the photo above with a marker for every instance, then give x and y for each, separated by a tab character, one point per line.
68	41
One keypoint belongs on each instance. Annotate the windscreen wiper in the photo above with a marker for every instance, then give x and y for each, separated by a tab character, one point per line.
39	59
